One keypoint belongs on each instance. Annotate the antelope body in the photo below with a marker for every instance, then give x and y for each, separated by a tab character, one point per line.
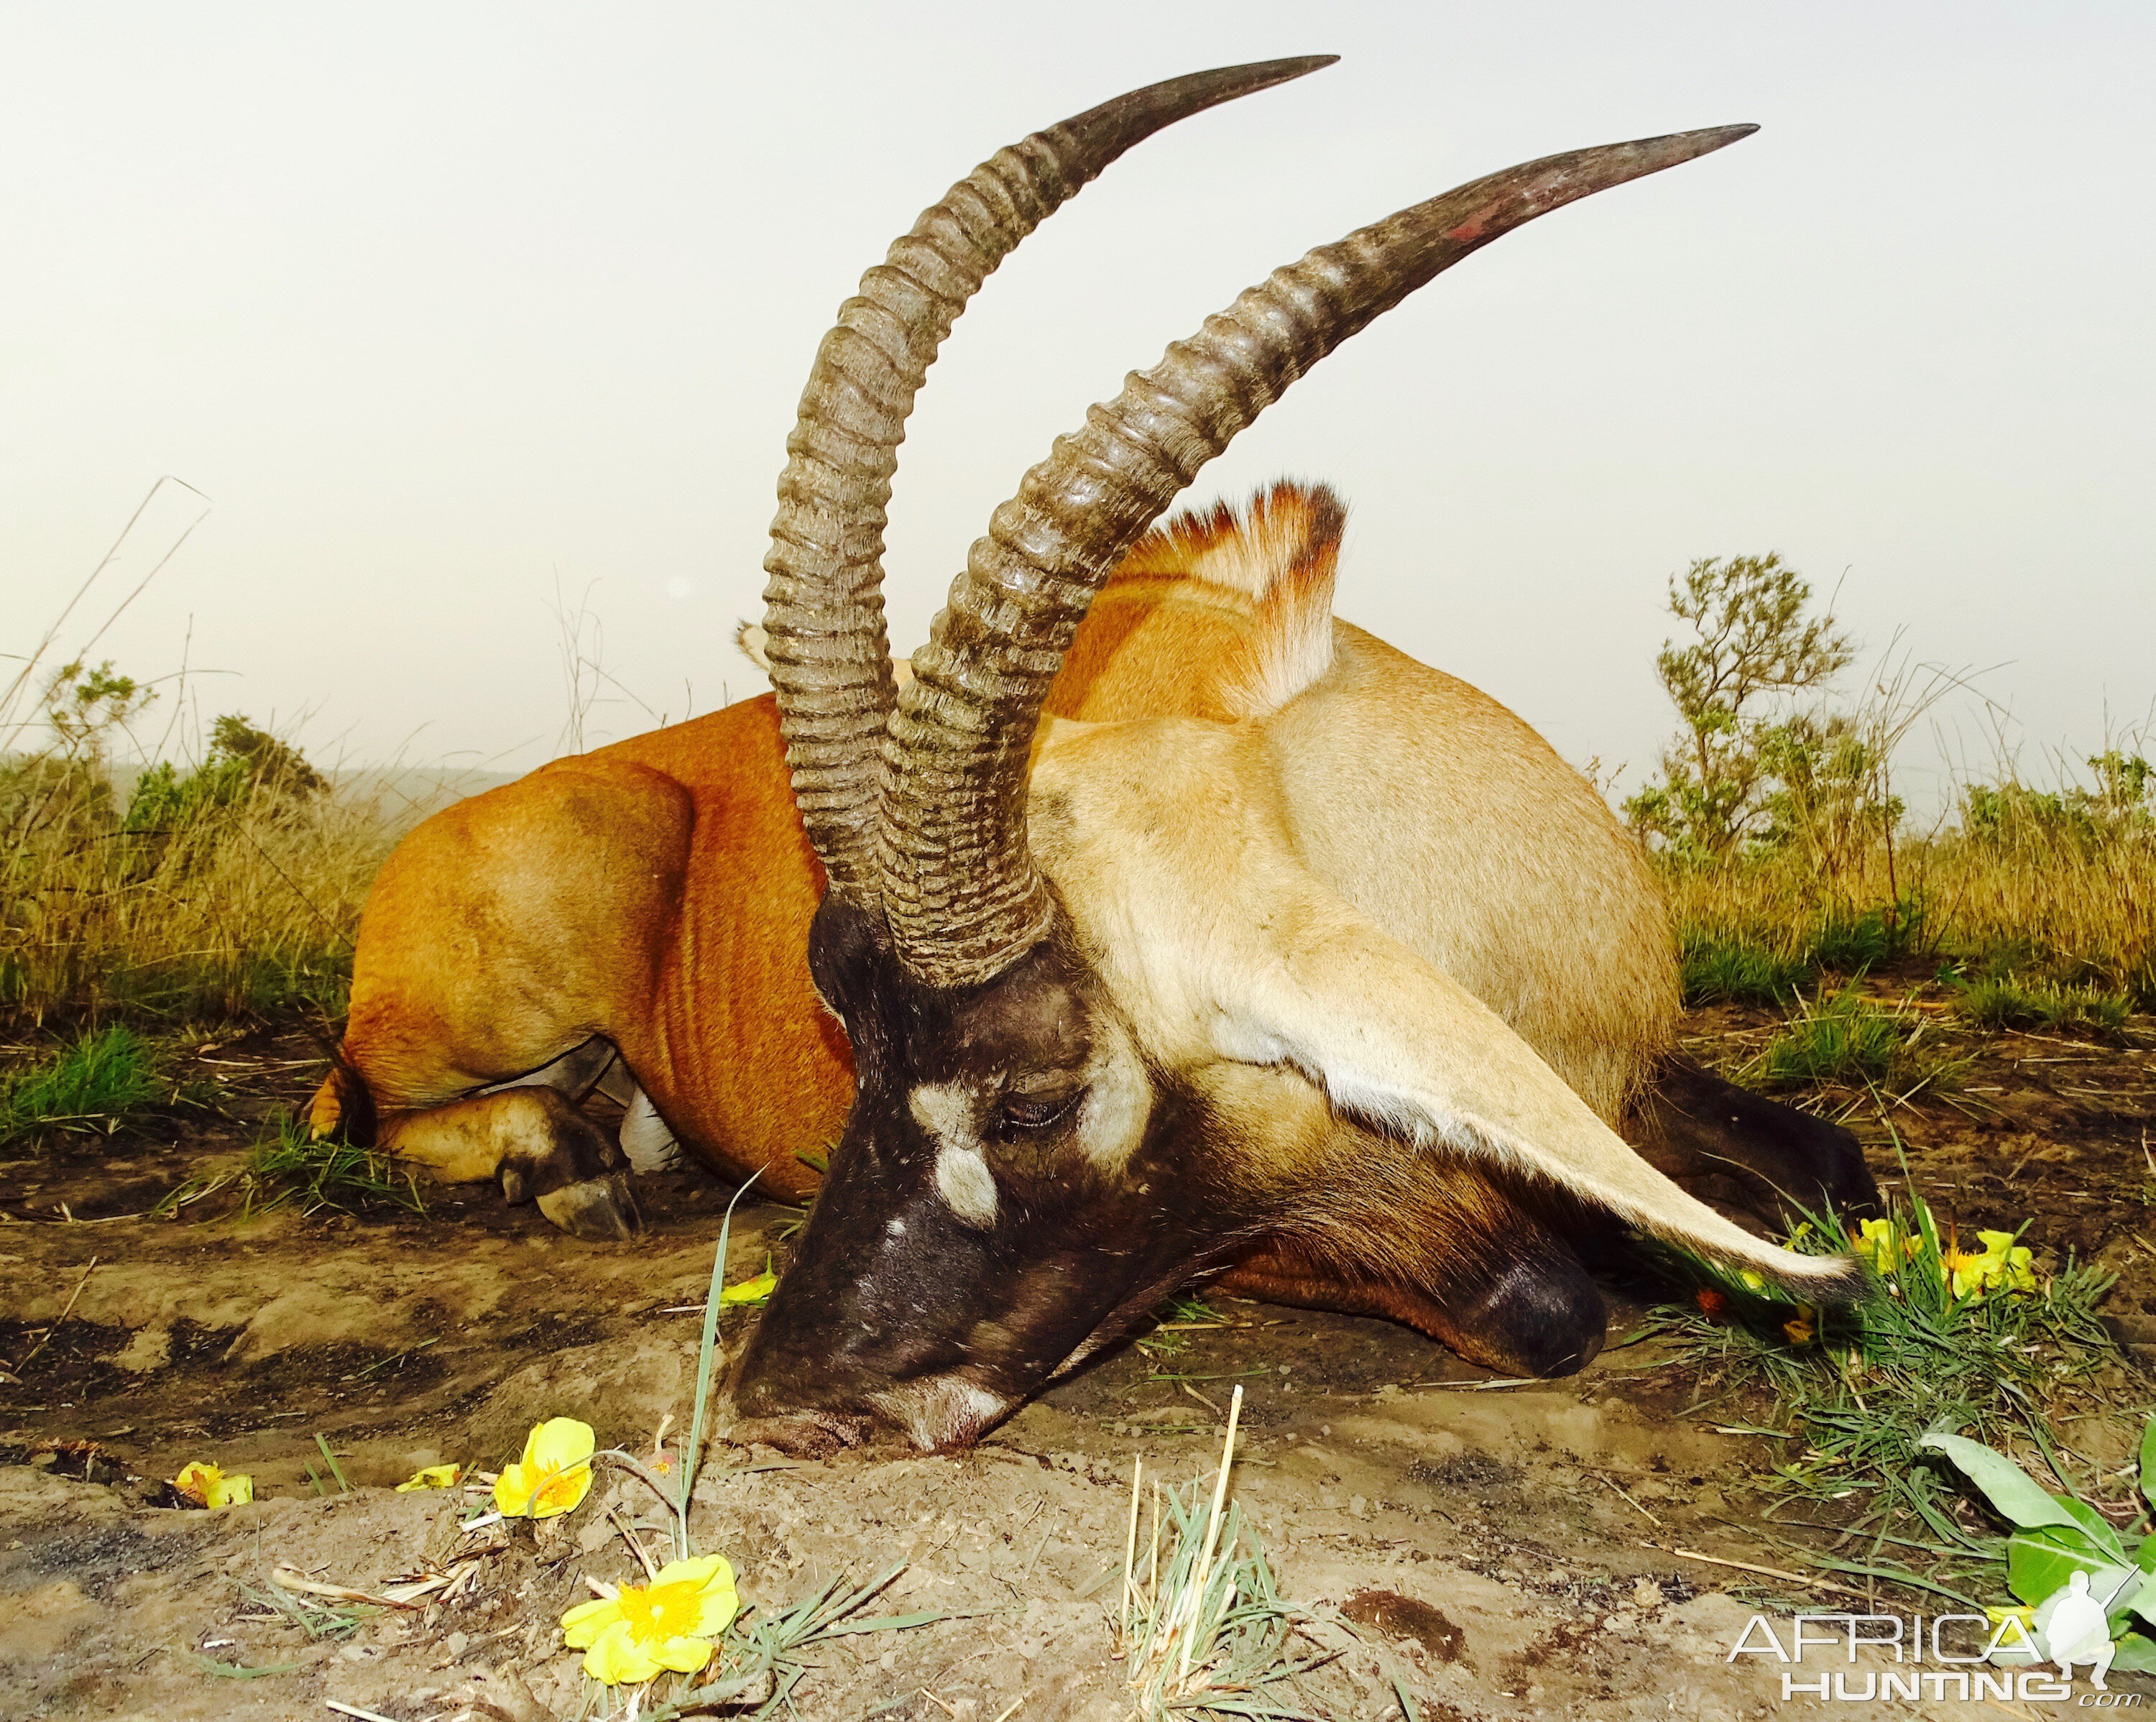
1174	925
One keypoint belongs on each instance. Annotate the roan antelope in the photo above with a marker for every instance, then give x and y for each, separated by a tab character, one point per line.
1318	982
1072	1138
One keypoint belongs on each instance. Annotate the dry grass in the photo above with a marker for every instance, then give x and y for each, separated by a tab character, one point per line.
2073	908
242	909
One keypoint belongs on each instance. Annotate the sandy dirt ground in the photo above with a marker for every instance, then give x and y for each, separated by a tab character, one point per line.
1494	1551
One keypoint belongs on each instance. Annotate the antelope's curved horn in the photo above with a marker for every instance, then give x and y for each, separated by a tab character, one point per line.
961	892
831	657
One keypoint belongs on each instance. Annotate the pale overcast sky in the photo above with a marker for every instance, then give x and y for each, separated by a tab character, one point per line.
449	308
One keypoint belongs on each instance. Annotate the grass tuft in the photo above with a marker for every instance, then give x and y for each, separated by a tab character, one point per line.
1203	1628
1849	1040
1719	970
93	1084
289	1168
2004	1002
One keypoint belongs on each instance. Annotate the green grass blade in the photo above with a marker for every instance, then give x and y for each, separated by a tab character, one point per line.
344	1486
692	1456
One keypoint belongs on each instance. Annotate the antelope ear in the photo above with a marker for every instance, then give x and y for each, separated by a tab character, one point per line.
1400	1047
754	644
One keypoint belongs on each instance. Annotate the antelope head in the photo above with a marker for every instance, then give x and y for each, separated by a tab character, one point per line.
1097	1009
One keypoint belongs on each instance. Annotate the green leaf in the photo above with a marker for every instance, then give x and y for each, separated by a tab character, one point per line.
2098	1529
754	1291
2136	1655
2039	1563
2009	1488
2136	1599
2148	1463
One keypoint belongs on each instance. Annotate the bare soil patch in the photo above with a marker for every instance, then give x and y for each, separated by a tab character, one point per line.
1499	1551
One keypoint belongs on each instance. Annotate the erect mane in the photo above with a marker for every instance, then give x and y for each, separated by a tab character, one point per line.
1278	555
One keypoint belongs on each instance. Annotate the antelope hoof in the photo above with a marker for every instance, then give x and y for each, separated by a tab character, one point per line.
598	1209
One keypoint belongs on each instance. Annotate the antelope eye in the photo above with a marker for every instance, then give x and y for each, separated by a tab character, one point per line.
1021	1111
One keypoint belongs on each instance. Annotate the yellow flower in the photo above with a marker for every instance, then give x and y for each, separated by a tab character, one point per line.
1878	1242
1750	1279
207	1486
752	1291
669	1623
1799	1328
431	1477
2001	1265
554	1475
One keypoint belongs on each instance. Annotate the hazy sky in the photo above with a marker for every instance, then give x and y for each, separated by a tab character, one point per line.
451	309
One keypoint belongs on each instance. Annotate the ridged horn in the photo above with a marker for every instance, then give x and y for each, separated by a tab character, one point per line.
830	656
961	892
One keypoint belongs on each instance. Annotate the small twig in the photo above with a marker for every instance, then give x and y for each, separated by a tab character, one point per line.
1770	1572
290	1578
343	1710
1628	1499
1131	1538
64	1315
635	1547
1211	1532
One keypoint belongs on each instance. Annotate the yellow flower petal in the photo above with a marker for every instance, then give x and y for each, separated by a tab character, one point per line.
584	1622
206	1485
717	1601
431	1477
617	1658
669	1623
554	1475
1875	1241
231	1491
685	1655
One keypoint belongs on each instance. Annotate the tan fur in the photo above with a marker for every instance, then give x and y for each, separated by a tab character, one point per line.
1194	860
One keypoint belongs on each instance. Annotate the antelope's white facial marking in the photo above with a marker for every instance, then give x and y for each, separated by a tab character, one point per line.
963	1178
1118	1098
943	1412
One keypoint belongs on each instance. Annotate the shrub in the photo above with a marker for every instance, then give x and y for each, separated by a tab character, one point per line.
1753	643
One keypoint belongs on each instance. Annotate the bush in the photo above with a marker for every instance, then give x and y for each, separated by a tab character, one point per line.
1727	778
